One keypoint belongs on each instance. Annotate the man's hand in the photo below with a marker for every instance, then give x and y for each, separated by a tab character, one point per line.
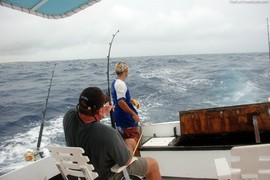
135	103
123	105
106	109
136	118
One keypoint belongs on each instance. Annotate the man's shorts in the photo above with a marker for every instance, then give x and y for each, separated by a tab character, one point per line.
138	167
131	132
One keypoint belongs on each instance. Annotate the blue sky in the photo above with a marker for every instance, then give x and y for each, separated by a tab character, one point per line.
147	27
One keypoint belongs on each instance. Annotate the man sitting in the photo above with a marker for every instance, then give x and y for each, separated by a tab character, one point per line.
101	143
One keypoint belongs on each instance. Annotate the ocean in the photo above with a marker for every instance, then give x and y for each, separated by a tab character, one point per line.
164	85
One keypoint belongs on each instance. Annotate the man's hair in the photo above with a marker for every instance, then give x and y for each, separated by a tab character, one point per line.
90	100
120	67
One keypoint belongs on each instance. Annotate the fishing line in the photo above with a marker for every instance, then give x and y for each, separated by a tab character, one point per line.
108	79
268	40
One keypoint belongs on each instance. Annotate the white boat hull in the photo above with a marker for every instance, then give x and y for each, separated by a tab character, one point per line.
179	162
42	169
189	164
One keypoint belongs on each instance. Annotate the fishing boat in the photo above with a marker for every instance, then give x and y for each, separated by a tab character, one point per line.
185	148
188	147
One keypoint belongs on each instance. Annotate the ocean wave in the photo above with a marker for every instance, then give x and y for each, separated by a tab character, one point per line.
164	85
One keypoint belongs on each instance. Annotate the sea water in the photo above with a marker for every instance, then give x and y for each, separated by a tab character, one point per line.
164	85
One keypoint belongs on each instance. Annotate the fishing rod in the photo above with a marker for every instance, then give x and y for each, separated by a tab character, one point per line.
32	155
108	78
44	111
268	39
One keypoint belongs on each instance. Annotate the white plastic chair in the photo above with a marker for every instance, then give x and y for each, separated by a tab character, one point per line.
71	161
117	169
248	162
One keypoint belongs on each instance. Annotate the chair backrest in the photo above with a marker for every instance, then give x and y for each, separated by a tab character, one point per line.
70	161
251	159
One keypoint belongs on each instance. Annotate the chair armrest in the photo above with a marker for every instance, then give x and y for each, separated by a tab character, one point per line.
223	169
117	169
264	174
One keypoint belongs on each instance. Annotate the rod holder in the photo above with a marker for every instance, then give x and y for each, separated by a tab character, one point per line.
253	116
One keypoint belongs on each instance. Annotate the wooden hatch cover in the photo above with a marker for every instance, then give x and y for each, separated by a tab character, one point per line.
225	119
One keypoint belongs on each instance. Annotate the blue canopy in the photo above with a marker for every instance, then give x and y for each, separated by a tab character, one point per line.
51	9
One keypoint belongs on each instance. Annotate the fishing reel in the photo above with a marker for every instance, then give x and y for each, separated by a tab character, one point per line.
33	155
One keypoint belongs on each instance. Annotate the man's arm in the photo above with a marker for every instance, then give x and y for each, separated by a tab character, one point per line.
123	105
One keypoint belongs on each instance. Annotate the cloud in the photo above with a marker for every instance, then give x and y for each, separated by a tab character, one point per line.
147	28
